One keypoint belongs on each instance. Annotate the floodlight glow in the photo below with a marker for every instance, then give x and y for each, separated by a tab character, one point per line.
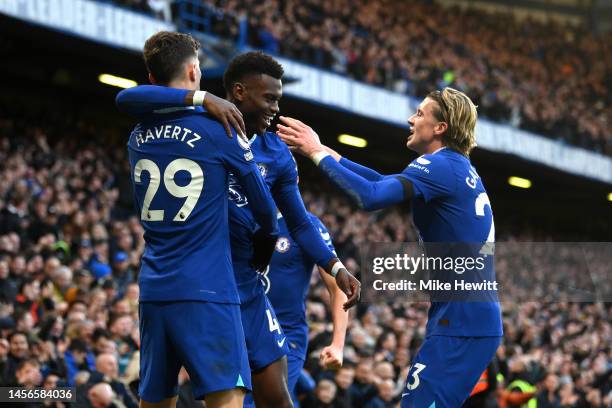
519	182
119	82
352	140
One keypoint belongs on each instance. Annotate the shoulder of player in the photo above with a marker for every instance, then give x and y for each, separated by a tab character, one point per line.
430	162
273	142
212	130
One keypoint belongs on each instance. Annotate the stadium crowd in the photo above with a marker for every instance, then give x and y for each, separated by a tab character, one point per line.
543	77
69	255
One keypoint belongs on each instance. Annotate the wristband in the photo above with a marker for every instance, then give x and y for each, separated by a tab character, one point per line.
337	266
318	156
198	98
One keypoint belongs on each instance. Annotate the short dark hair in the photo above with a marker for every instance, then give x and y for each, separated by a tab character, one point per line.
250	63
166	52
28	361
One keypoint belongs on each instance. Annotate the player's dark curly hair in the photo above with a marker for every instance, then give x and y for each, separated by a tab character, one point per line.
250	63
166	52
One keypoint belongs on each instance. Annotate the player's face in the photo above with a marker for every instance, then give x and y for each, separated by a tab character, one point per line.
259	101
425	129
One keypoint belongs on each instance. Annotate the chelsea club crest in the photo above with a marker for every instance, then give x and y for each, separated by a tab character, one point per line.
282	244
263	169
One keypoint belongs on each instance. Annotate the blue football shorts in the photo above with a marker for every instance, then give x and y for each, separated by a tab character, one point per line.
206	338
446	369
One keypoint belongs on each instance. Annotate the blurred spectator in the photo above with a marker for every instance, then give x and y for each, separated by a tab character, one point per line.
77	358
544	77
101	396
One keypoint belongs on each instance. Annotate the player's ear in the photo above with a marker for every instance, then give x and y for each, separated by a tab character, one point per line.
440	128
239	91
192	71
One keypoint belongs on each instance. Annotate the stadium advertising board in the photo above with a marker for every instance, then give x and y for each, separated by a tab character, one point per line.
96	21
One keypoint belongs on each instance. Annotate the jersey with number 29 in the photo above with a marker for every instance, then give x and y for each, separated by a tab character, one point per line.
451	206
179	163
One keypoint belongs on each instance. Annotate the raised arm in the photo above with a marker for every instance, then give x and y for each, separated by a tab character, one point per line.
363	171
368	194
146	99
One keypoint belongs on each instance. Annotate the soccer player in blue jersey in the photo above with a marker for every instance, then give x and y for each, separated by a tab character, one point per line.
450	205
286	281
253	83
180	164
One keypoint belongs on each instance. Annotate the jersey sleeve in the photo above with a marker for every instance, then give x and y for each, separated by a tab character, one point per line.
289	201
365	172
324	232
431	177
145	99
369	195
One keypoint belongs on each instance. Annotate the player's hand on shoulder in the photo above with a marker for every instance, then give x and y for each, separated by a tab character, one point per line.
226	112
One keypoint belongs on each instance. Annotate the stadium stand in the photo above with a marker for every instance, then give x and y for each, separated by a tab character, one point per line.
69	256
414	46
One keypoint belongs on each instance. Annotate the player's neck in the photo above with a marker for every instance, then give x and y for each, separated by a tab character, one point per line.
183	84
434	147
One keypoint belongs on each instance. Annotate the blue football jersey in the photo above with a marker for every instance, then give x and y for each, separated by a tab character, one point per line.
286	282
277	166
451	206
179	169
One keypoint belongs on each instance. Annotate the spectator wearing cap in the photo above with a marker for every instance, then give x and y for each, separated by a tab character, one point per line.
85	251
123	272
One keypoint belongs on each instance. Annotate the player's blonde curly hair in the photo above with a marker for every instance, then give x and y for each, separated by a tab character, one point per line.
458	111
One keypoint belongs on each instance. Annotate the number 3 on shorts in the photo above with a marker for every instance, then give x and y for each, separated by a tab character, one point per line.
418	368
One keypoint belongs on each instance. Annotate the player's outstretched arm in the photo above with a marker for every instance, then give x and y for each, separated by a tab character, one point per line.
332	356
145	99
368	194
363	171
289	201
